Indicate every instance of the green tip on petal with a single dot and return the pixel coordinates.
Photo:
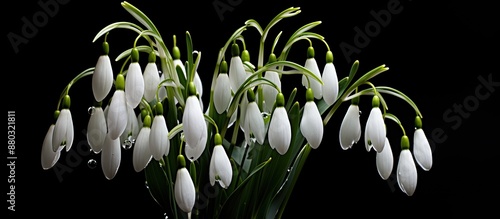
(217, 139)
(245, 56)
(375, 101)
(191, 88)
(405, 142)
(105, 48)
(181, 161)
(250, 95)
(66, 103)
(146, 122)
(134, 55)
(272, 58)
(223, 67)
(152, 57)
(56, 114)
(310, 52)
(120, 82)
(159, 108)
(235, 50)
(329, 57)
(280, 100)
(418, 122)
(309, 95)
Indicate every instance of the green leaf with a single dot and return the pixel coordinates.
(157, 184)
(126, 53)
(140, 16)
(117, 25)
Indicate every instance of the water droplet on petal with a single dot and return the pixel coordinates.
(91, 110)
(146, 184)
(360, 112)
(92, 163)
(128, 143)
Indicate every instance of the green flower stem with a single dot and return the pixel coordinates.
(65, 91)
(393, 117)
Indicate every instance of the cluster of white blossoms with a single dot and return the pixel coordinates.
(157, 108)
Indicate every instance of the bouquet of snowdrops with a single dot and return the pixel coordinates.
(248, 144)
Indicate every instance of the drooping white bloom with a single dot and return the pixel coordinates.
(280, 131)
(315, 85)
(142, 154)
(194, 125)
(237, 73)
(110, 157)
(406, 172)
(162, 92)
(102, 78)
(117, 114)
(385, 161)
(49, 157)
(222, 93)
(134, 84)
(375, 129)
(311, 123)
(220, 167)
(96, 129)
(132, 129)
(350, 128)
(159, 144)
(254, 123)
(151, 79)
(63, 131)
(330, 83)
(422, 149)
(185, 193)
(271, 92)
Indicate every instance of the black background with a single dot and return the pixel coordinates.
(436, 52)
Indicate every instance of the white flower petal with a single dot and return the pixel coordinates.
(316, 86)
(311, 124)
(110, 157)
(159, 144)
(63, 131)
(407, 173)
(198, 84)
(368, 143)
(141, 154)
(162, 93)
(385, 161)
(280, 131)
(422, 150)
(330, 83)
(185, 194)
(102, 78)
(220, 167)
(270, 92)
(350, 128)
(237, 74)
(132, 129)
(255, 122)
(193, 153)
(222, 93)
(151, 79)
(194, 125)
(134, 84)
(117, 113)
(375, 129)
(97, 129)
(49, 157)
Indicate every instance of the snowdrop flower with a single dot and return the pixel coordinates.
(222, 90)
(194, 125)
(49, 157)
(311, 124)
(375, 126)
(134, 83)
(237, 73)
(159, 144)
(312, 65)
(220, 166)
(330, 80)
(350, 128)
(185, 193)
(254, 123)
(102, 78)
(280, 130)
(63, 131)
(110, 156)
(151, 78)
(406, 170)
(421, 147)
(268, 91)
(132, 129)
(141, 154)
(96, 128)
(117, 110)
(385, 161)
